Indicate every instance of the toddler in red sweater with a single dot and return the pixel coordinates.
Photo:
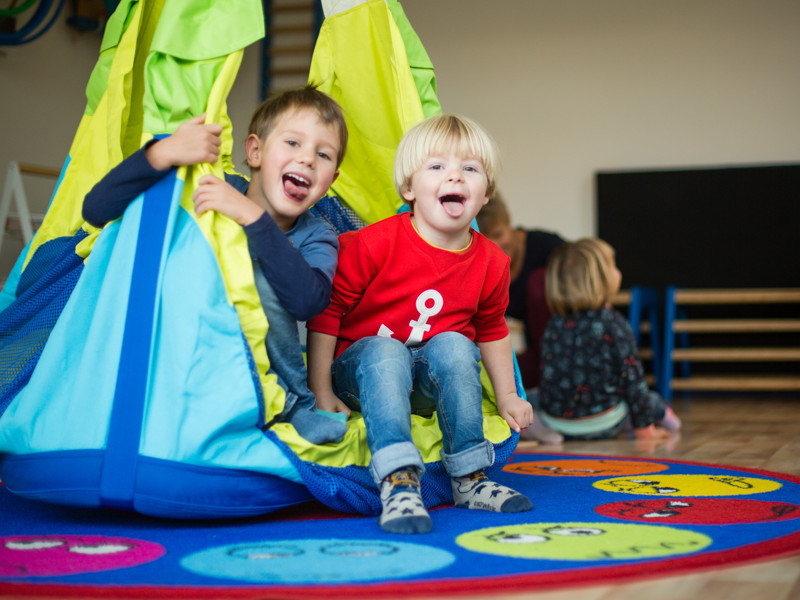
(418, 301)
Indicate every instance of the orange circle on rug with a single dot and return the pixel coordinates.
(689, 485)
(591, 467)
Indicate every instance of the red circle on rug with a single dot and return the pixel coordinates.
(700, 511)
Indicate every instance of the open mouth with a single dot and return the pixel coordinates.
(453, 204)
(296, 186)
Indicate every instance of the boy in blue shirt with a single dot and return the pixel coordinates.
(295, 144)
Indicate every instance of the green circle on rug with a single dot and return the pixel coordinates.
(583, 541)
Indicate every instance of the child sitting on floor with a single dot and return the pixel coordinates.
(295, 144)
(418, 300)
(592, 380)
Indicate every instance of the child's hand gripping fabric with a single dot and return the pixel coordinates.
(214, 194)
(192, 143)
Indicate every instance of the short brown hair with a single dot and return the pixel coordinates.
(579, 276)
(494, 213)
(329, 111)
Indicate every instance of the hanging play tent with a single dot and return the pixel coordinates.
(132, 358)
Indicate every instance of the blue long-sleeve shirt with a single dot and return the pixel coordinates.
(298, 264)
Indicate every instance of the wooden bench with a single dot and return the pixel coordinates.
(678, 324)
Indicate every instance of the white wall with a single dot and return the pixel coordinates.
(42, 87)
(567, 87)
(570, 87)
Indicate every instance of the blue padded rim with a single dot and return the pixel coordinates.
(164, 488)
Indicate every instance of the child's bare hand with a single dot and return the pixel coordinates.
(214, 194)
(650, 433)
(193, 142)
(517, 412)
(331, 403)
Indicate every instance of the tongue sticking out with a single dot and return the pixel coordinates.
(453, 205)
(294, 187)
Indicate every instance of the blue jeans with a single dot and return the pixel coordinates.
(284, 349)
(386, 381)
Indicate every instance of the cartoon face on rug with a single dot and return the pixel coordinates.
(688, 485)
(578, 532)
(50, 555)
(700, 511)
(593, 467)
(583, 541)
(317, 561)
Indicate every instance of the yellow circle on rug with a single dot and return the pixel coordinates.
(583, 541)
(689, 485)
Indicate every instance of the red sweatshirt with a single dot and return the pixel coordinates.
(391, 282)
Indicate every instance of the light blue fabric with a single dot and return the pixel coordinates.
(387, 380)
(213, 415)
(76, 372)
(202, 406)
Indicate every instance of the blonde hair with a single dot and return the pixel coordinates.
(327, 109)
(579, 276)
(441, 134)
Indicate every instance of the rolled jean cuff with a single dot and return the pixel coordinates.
(396, 456)
(290, 401)
(470, 460)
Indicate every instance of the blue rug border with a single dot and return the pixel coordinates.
(770, 547)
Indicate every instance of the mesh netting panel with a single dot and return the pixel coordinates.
(251, 363)
(341, 218)
(351, 489)
(43, 290)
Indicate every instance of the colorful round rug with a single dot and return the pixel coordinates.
(595, 520)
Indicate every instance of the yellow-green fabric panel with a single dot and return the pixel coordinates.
(176, 90)
(418, 60)
(187, 53)
(226, 237)
(427, 436)
(115, 26)
(372, 81)
(184, 45)
(204, 29)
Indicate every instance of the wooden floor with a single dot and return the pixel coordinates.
(753, 431)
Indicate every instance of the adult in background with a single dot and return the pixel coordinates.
(529, 251)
